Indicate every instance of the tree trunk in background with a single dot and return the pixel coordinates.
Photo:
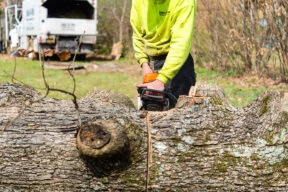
(208, 146)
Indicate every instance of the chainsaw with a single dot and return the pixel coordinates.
(154, 100)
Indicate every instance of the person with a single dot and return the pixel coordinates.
(162, 40)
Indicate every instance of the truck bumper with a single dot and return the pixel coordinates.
(69, 44)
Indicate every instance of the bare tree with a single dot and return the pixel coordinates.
(243, 35)
(278, 20)
(120, 19)
(114, 23)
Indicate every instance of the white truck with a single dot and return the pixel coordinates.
(55, 24)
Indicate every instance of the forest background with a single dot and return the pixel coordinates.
(246, 36)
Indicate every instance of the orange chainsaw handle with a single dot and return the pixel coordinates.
(150, 77)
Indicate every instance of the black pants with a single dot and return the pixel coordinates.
(182, 82)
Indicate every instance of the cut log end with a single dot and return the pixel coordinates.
(95, 136)
(102, 138)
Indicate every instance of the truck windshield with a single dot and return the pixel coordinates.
(76, 9)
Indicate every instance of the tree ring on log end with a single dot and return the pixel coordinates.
(102, 138)
(95, 136)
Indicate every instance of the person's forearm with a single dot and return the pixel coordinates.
(146, 69)
(138, 43)
(180, 44)
(138, 46)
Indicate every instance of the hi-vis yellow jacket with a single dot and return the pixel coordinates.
(163, 27)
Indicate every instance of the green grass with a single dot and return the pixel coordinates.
(29, 72)
(239, 96)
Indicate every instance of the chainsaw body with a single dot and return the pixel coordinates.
(154, 100)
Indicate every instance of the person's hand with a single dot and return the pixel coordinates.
(156, 85)
(146, 69)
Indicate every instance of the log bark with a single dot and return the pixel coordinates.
(205, 144)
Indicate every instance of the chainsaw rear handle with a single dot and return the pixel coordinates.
(142, 91)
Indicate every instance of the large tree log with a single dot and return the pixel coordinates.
(205, 145)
